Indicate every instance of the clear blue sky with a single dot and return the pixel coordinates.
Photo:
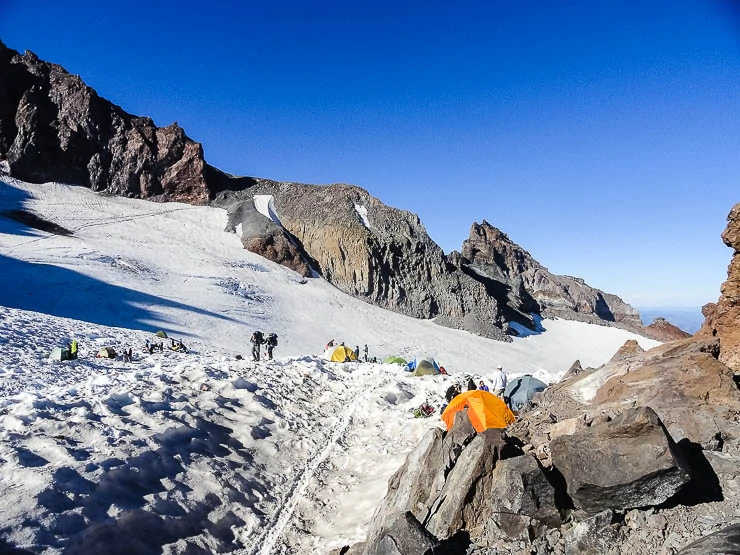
(602, 136)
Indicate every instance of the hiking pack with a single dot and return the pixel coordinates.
(272, 339)
(257, 338)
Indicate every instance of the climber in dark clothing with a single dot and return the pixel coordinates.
(452, 392)
(271, 343)
(256, 340)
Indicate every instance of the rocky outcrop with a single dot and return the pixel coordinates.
(377, 253)
(526, 286)
(723, 318)
(53, 127)
(625, 463)
(662, 330)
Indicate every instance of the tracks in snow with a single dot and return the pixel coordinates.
(265, 543)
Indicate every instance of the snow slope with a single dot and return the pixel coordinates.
(201, 452)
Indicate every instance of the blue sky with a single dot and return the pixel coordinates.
(602, 136)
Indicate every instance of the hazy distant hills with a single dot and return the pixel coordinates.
(687, 318)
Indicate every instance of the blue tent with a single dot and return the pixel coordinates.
(521, 390)
(423, 366)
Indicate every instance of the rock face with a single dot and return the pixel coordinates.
(662, 330)
(53, 127)
(723, 318)
(377, 253)
(628, 462)
(530, 287)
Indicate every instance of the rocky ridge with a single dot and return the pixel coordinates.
(662, 330)
(53, 127)
(530, 287)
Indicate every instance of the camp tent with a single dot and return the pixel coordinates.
(161, 334)
(395, 360)
(424, 366)
(58, 353)
(521, 390)
(485, 410)
(106, 352)
(340, 354)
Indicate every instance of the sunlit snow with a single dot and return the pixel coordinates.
(282, 456)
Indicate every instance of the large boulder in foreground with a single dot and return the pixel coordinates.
(464, 499)
(520, 498)
(416, 485)
(625, 463)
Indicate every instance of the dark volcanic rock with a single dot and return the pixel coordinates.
(527, 286)
(464, 501)
(592, 536)
(379, 254)
(404, 535)
(262, 235)
(625, 463)
(53, 127)
(722, 542)
(662, 330)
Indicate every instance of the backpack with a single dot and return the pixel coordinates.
(257, 337)
(272, 339)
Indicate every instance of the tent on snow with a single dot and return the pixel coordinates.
(485, 410)
(521, 390)
(423, 366)
(106, 352)
(161, 334)
(395, 360)
(59, 353)
(340, 353)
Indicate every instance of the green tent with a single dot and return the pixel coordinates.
(395, 360)
(424, 366)
(161, 334)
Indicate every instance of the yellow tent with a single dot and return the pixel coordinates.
(485, 410)
(340, 354)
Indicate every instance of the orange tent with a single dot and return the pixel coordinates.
(485, 410)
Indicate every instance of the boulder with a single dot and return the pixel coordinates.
(626, 463)
(519, 496)
(693, 393)
(593, 536)
(466, 491)
(403, 535)
(721, 542)
(567, 427)
(416, 485)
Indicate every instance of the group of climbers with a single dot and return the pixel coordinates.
(258, 339)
